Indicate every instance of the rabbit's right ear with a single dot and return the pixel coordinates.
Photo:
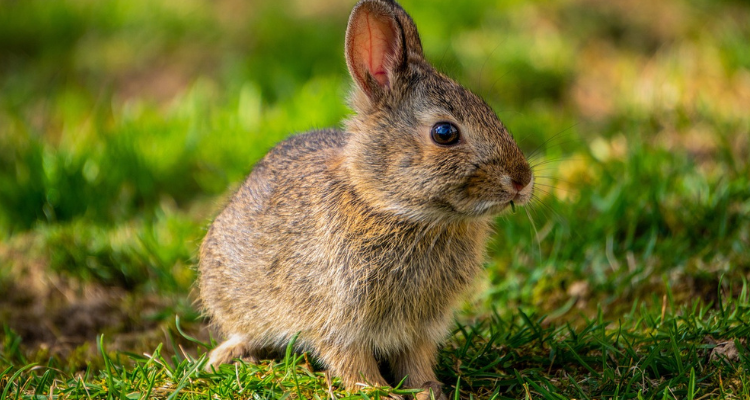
(380, 39)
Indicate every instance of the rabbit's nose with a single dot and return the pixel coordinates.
(518, 185)
(520, 177)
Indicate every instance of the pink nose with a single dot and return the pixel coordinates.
(518, 185)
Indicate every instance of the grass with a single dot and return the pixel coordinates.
(653, 354)
(124, 124)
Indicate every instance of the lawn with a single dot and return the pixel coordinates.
(125, 124)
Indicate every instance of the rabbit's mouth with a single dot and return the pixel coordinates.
(522, 197)
(523, 192)
(507, 199)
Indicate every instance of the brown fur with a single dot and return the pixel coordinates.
(365, 240)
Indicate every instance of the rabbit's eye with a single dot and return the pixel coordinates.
(445, 133)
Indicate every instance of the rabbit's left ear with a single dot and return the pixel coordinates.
(380, 39)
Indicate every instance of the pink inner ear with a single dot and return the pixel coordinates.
(374, 43)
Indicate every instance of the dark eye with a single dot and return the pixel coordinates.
(445, 133)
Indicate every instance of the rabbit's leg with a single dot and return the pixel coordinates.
(417, 364)
(237, 346)
(354, 365)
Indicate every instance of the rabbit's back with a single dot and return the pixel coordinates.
(245, 280)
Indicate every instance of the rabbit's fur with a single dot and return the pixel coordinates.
(365, 240)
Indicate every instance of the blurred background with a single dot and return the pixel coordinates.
(124, 124)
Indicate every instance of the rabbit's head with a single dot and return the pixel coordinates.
(422, 146)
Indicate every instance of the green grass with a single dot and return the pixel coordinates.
(124, 124)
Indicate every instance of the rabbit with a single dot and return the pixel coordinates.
(363, 241)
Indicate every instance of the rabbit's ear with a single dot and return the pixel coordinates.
(380, 39)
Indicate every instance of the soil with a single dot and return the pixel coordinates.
(61, 316)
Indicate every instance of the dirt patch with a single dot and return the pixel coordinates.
(724, 350)
(60, 316)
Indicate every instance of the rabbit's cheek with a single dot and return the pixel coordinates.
(489, 186)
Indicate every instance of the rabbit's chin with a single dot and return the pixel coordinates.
(491, 208)
(449, 213)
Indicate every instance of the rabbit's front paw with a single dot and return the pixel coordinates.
(432, 390)
(234, 347)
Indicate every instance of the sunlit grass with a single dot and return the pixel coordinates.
(124, 124)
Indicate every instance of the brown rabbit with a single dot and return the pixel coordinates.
(365, 240)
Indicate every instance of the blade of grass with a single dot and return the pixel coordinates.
(14, 377)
